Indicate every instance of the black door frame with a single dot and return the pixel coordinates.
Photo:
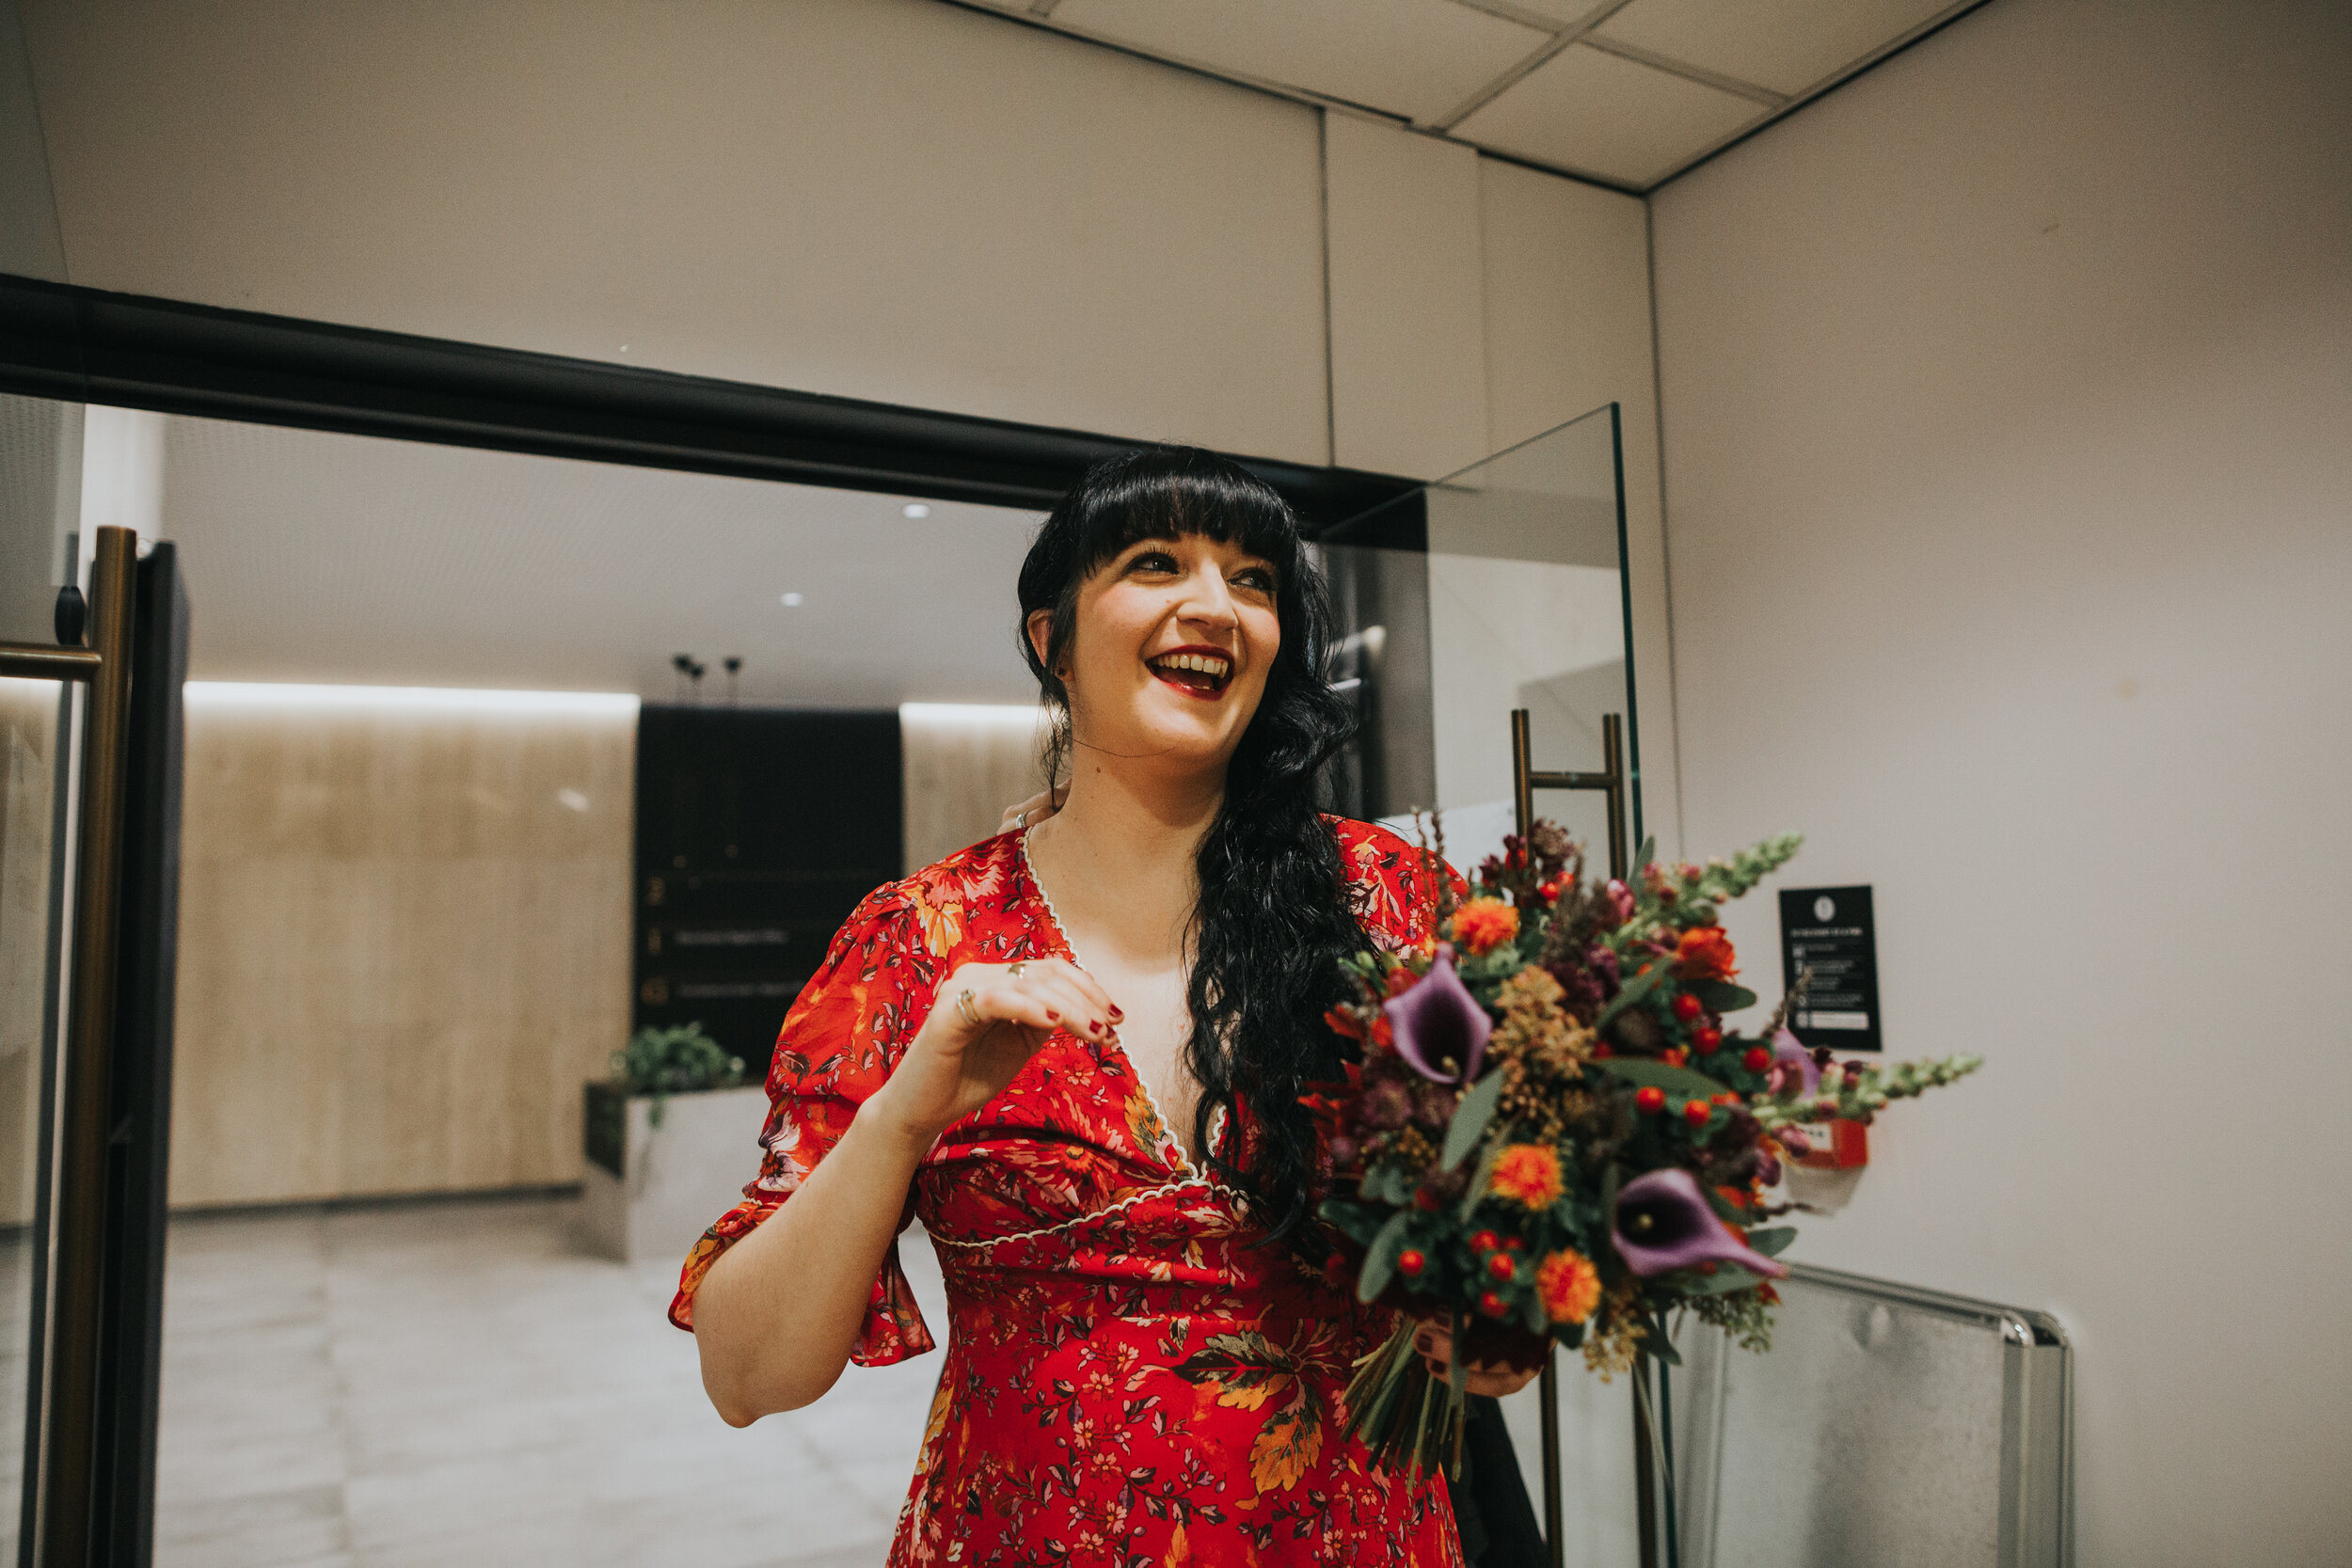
(85, 345)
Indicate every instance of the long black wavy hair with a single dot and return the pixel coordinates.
(1273, 922)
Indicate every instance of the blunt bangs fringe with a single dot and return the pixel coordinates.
(1273, 922)
(1186, 493)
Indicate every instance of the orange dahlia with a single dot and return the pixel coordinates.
(1483, 925)
(1705, 954)
(1528, 1175)
(1568, 1285)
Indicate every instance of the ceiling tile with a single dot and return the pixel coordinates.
(1787, 45)
(1420, 58)
(1601, 115)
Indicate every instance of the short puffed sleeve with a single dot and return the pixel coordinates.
(1391, 885)
(839, 1041)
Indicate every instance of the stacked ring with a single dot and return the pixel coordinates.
(963, 1006)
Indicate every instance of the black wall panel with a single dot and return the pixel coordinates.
(758, 829)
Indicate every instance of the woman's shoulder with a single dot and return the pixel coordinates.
(935, 906)
(1391, 882)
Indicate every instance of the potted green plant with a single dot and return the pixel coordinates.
(667, 1142)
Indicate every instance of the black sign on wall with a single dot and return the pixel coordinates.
(1829, 931)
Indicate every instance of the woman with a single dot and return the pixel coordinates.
(1109, 1156)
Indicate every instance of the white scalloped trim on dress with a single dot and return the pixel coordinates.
(1239, 1202)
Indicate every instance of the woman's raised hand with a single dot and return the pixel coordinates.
(986, 1022)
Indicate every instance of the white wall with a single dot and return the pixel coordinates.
(1567, 329)
(886, 199)
(1408, 366)
(2009, 460)
(1474, 305)
(29, 245)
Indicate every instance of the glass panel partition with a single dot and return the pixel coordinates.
(1497, 588)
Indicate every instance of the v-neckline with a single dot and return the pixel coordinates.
(1171, 1147)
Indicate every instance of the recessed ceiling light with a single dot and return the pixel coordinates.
(791, 601)
(916, 509)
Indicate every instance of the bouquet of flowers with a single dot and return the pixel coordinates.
(1550, 1134)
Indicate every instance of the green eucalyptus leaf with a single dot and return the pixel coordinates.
(1658, 1075)
(1772, 1242)
(1387, 1184)
(1635, 990)
(1470, 1120)
(1475, 1192)
(1647, 853)
(1722, 995)
(1359, 1223)
(1381, 1263)
(1657, 1345)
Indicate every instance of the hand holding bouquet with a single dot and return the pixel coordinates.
(1550, 1134)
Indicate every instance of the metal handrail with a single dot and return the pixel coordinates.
(41, 662)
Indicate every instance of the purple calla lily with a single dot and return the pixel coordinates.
(1792, 1065)
(1439, 1026)
(1664, 1224)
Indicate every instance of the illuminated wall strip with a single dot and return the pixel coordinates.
(410, 699)
(1021, 715)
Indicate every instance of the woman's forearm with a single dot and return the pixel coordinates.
(778, 1313)
(776, 1316)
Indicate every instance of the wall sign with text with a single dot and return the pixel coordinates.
(1829, 930)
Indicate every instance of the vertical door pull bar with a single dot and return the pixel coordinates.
(69, 1453)
(1526, 779)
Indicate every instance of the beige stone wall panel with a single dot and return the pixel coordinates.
(402, 950)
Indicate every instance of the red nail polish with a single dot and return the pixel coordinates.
(1054, 1016)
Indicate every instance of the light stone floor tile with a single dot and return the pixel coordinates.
(457, 1384)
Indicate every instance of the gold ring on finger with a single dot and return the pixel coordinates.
(1015, 968)
(963, 1006)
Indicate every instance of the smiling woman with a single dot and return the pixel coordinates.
(1110, 1155)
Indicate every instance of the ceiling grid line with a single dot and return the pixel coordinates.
(1561, 40)
(1700, 74)
(1627, 94)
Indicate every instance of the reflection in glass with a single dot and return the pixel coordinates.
(1497, 588)
(29, 731)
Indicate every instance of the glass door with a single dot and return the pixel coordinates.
(92, 647)
(1496, 590)
(39, 496)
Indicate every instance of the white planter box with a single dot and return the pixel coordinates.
(674, 1179)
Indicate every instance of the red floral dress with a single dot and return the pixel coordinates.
(1129, 1382)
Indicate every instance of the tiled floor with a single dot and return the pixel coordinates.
(455, 1384)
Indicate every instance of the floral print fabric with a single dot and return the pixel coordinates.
(1129, 1380)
